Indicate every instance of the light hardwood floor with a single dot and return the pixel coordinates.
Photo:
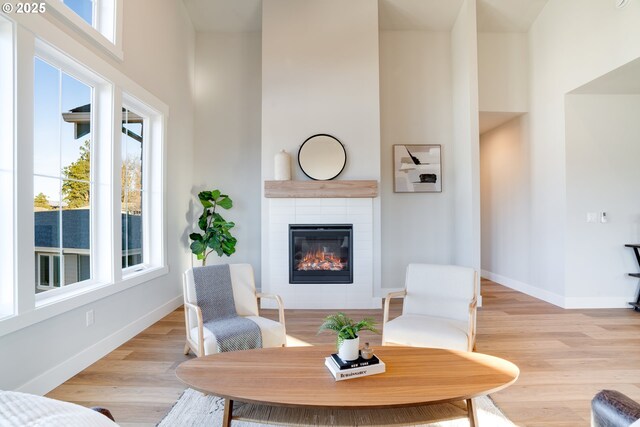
(565, 357)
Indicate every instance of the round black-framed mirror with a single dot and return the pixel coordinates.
(322, 157)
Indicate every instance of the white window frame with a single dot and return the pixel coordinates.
(7, 183)
(153, 246)
(100, 160)
(106, 31)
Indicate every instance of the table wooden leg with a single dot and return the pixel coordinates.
(471, 412)
(228, 413)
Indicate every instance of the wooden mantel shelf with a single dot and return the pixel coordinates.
(321, 189)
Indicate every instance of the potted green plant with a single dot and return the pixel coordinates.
(348, 341)
(215, 236)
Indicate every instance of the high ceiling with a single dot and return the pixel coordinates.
(225, 15)
(504, 16)
(429, 15)
(621, 81)
(491, 120)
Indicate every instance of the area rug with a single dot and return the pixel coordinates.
(196, 409)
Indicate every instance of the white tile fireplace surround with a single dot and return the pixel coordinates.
(286, 211)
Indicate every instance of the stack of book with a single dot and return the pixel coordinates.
(360, 367)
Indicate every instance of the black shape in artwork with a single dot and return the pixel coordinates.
(416, 161)
(429, 178)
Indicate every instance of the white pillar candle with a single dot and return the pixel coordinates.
(282, 167)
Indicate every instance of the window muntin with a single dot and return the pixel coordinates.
(62, 175)
(131, 148)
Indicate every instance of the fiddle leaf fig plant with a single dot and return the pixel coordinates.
(215, 236)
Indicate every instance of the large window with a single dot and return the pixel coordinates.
(6, 170)
(132, 187)
(62, 177)
(81, 171)
(97, 19)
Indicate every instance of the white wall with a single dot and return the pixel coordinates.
(505, 202)
(603, 134)
(39, 357)
(227, 133)
(466, 151)
(571, 43)
(415, 108)
(320, 75)
(503, 72)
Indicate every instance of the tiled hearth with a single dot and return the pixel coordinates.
(281, 212)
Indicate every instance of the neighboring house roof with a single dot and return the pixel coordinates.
(75, 226)
(81, 119)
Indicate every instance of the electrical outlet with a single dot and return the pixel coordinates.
(90, 318)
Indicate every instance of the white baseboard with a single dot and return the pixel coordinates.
(555, 299)
(597, 302)
(525, 288)
(55, 376)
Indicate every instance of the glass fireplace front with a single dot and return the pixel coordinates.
(321, 253)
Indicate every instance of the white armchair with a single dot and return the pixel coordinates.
(439, 308)
(201, 341)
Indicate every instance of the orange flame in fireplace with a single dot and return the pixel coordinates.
(320, 260)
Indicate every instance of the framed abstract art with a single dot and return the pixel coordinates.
(417, 168)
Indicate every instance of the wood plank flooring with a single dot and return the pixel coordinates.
(565, 357)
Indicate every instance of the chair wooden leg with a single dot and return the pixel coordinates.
(471, 412)
(186, 348)
(228, 413)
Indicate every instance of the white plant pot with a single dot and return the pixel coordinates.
(349, 349)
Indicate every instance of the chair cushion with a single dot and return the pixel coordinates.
(273, 335)
(244, 289)
(22, 409)
(427, 331)
(439, 290)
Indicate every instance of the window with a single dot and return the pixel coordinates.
(6, 170)
(80, 185)
(132, 187)
(100, 20)
(62, 176)
(142, 179)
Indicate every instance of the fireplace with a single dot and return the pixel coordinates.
(321, 253)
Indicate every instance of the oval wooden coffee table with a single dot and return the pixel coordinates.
(297, 377)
